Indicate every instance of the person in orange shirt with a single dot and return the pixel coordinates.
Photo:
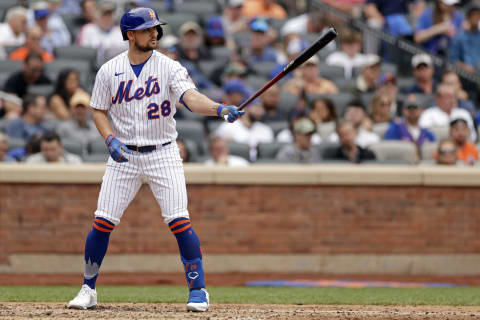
(460, 133)
(264, 8)
(32, 44)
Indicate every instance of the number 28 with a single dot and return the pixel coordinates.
(153, 108)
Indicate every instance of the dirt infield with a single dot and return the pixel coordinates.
(12, 310)
(225, 279)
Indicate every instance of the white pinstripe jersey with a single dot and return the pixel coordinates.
(141, 109)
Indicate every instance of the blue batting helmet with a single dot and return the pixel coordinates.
(140, 19)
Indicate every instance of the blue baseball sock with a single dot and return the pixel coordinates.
(95, 249)
(190, 252)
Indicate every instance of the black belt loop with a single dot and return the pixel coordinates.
(146, 149)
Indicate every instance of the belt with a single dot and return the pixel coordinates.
(145, 149)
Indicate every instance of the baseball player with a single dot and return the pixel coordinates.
(134, 100)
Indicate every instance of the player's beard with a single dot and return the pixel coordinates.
(146, 48)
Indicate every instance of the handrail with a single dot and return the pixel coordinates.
(401, 44)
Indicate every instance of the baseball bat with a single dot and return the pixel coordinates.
(295, 63)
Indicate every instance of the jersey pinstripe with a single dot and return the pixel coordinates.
(141, 113)
(141, 109)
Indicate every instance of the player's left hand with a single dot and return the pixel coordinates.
(229, 113)
(117, 149)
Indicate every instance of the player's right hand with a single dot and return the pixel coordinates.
(116, 148)
(229, 113)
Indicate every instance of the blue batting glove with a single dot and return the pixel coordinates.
(117, 149)
(229, 113)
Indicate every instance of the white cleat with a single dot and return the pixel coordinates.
(198, 301)
(85, 299)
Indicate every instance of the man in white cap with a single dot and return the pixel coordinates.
(445, 110)
(423, 71)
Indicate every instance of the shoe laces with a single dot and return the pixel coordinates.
(85, 290)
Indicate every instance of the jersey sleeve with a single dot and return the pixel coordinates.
(180, 80)
(101, 94)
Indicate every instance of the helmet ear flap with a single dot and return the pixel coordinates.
(160, 32)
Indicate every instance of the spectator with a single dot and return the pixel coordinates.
(447, 153)
(31, 147)
(55, 32)
(367, 80)
(233, 19)
(308, 23)
(259, 50)
(220, 154)
(249, 129)
(322, 110)
(32, 119)
(263, 8)
(287, 136)
(460, 133)
(235, 70)
(309, 80)
(13, 31)
(381, 107)
(349, 149)
(387, 83)
(32, 45)
(392, 15)
(10, 106)
(168, 46)
(450, 78)
(407, 128)
(215, 33)
(350, 55)
(436, 27)
(236, 91)
(4, 157)
(445, 110)
(32, 74)
(356, 114)
(183, 150)
(294, 44)
(423, 73)
(81, 126)
(103, 34)
(270, 100)
(88, 15)
(302, 150)
(465, 48)
(51, 151)
(67, 84)
(191, 46)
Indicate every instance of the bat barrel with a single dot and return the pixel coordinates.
(301, 58)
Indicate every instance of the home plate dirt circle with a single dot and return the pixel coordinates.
(24, 310)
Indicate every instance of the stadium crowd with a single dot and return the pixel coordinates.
(349, 103)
